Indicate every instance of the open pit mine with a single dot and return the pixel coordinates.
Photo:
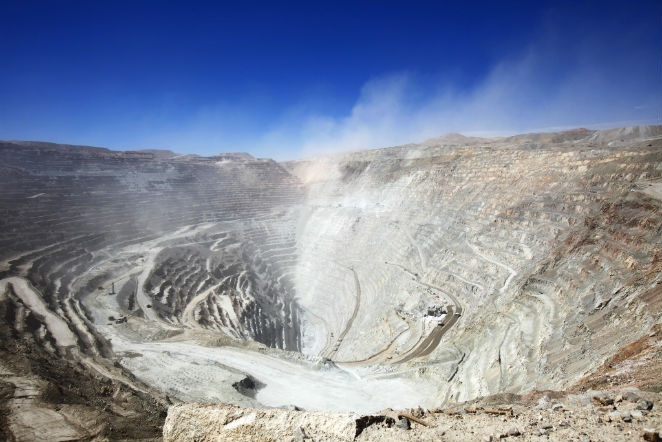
(423, 275)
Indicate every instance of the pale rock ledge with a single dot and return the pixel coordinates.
(225, 422)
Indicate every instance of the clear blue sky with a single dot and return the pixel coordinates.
(283, 79)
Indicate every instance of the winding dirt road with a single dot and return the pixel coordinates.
(425, 346)
(380, 355)
(432, 341)
(342, 335)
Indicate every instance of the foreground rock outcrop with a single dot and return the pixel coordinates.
(539, 416)
(194, 422)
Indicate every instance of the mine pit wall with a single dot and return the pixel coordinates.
(76, 219)
(553, 251)
(243, 294)
(68, 210)
(550, 247)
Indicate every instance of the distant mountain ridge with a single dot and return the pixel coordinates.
(621, 134)
(604, 136)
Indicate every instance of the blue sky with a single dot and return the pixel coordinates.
(283, 80)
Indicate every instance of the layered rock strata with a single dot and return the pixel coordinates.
(414, 275)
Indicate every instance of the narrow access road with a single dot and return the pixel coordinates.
(510, 270)
(380, 355)
(434, 287)
(188, 316)
(426, 345)
(338, 343)
(432, 341)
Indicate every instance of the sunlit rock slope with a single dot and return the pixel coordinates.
(548, 243)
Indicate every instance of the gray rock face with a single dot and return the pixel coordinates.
(403, 423)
